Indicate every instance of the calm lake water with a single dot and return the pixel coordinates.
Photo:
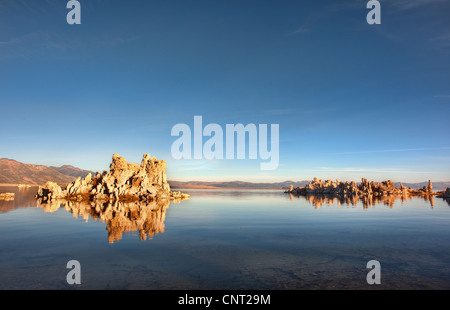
(231, 239)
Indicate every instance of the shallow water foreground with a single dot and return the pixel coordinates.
(232, 239)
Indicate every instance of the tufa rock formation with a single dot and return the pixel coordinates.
(125, 182)
(365, 188)
(427, 189)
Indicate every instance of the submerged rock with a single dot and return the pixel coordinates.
(125, 182)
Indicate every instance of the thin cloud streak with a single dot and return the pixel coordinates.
(412, 4)
(381, 170)
(397, 150)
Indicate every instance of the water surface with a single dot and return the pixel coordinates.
(230, 239)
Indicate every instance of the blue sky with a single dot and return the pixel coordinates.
(352, 100)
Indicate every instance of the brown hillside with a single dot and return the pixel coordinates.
(14, 172)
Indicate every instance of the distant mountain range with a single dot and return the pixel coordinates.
(437, 186)
(14, 172)
(234, 184)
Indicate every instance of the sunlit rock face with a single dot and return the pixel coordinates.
(145, 218)
(365, 188)
(125, 182)
(368, 192)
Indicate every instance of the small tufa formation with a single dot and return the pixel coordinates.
(7, 196)
(338, 188)
(427, 189)
(124, 182)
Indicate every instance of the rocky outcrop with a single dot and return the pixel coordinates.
(125, 182)
(7, 196)
(427, 189)
(338, 188)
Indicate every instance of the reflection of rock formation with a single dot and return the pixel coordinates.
(7, 196)
(145, 217)
(50, 206)
(22, 198)
(338, 188)
(7, 205)
(124, 182)
(430, 198)
(318, 201)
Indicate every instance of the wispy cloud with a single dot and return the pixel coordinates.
(337, 6)
(33, 42)
(367, 170)
(11, 41)
(195, 165)
(300, 30)
(442, 40)
(21, 39)
(442, 96)
(305, 110)
(316, 17)
(116, 41)
(413, 4)
(396, 150)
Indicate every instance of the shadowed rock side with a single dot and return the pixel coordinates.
(365, 188)
(445, 194)
(124, 182)
(147, 218)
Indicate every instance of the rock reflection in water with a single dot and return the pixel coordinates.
(318, 201)
(23, 198)
(145, 217)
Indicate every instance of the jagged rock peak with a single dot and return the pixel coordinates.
(338, 188)
(125, 181)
